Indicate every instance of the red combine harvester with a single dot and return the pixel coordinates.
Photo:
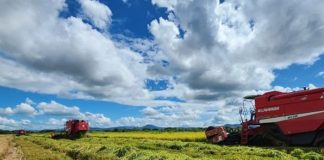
(21, 132)
(73, 129)
(277, 118)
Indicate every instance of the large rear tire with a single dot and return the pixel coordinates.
(321, 144)
(319, 140)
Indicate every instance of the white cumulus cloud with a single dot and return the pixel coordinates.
(54, 108)
(11, 124)
(98, 13)
(234, 46)
(64, 56)
(24, 108)
(320, 74)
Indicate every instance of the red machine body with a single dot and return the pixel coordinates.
(294, 113)
(76, 126)
(294, 118)
(73, 129)
(21, 132)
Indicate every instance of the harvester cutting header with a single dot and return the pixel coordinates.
(278, 118)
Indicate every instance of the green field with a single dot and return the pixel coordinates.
(150, 145)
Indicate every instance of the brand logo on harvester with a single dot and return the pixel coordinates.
(268, 109)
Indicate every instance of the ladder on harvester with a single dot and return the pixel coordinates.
(244, 133)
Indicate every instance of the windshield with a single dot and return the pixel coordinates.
(247, 110)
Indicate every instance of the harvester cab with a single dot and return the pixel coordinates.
(248, 119)
(247, 110)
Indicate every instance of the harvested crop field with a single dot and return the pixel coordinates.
(151, 146)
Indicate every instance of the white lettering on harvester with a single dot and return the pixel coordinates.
(268, 109)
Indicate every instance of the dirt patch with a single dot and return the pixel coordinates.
(8, 148)
(4, 145)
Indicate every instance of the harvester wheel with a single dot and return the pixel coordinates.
(319, 140)
(58, 136)
(77, 135)
(321, 144)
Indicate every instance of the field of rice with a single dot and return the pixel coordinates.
(151, 145)
(158, 135)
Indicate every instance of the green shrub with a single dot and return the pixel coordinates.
(175, 146)
(297, 152)
(121, 152)
(312, 156)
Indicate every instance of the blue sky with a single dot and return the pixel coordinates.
(138, 62)
(298, 75)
